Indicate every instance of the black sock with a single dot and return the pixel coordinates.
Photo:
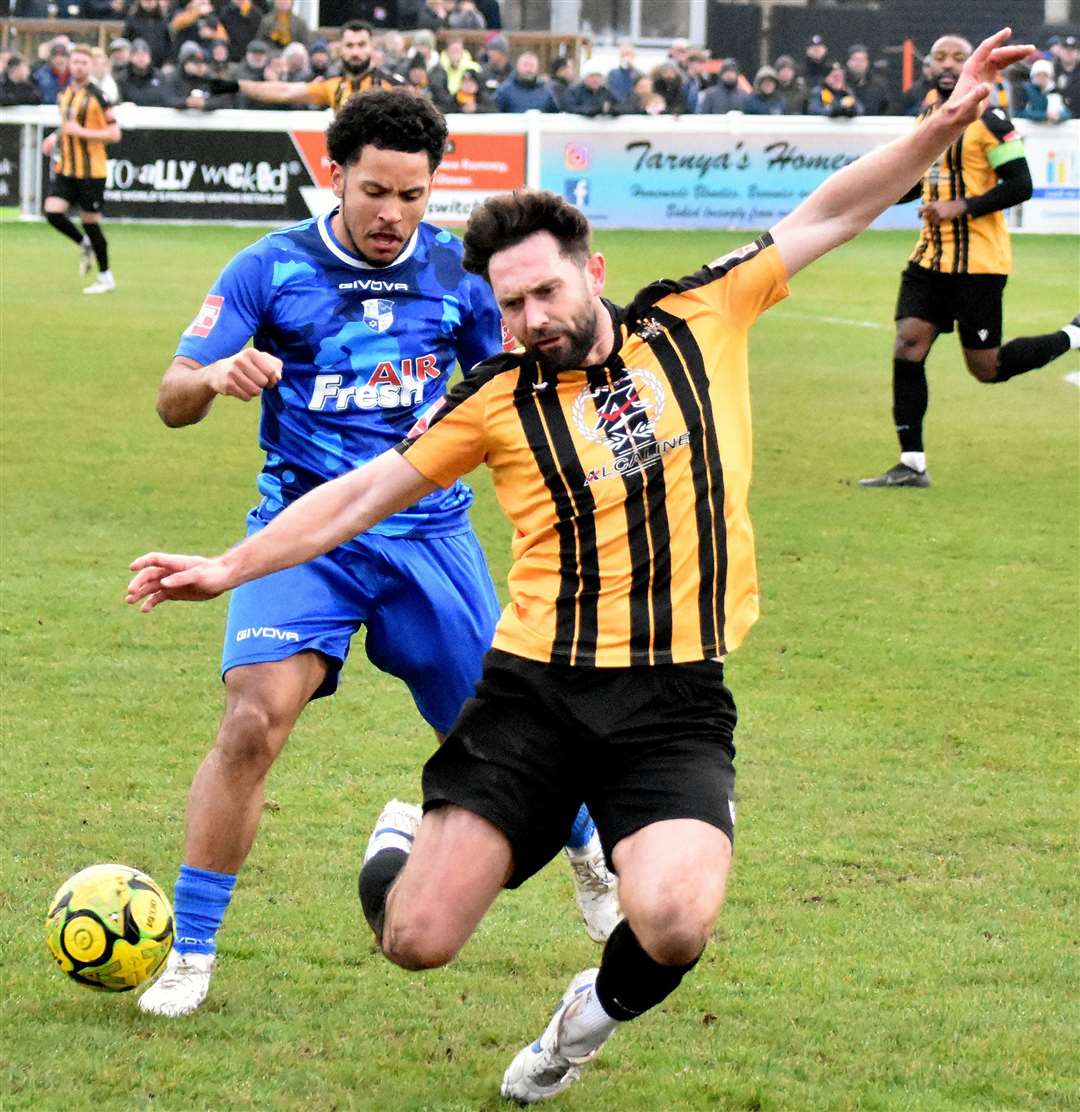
(97, 240)
(910, 398)
(375, 880)
(1029, 353)
(64, 226)
(629, 981)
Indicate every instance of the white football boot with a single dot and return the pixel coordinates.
(181, 988)
(596, 889)
(104, 283)
(544, 1068)
(395, 828)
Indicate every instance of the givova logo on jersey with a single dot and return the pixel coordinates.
(627, 413)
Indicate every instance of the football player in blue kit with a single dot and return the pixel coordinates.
(356, 320)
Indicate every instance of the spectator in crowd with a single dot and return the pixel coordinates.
(1067, 72)
(622, 79)
(790, 85)
(643, 100)
(491, 12)
(119, 58)
(465, 16)
(816, 62)
(766, 99)
(725, 95)
(101, 75)
(424, 46)
(471, 97)
(832, 97)
(184, 25)
(679, 55)
(526, 88)
(915, 97)
(283, 26)
(253, 67)
(432, 15)
(867, 88)
(296, 63)
(560, 78)
(142, 83)
(698, 76)
(455, 61)
(429, 81)
(395, 57)
(209, 30)
(188, 86)
(1042, 102)
(241, 19)
(496, 63)
(590, 96)
(669, 82)
(52, 76)
(218, 63)
(320, 58)
(16, 87)
(146, 20)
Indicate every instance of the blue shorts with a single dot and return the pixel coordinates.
(428, 604)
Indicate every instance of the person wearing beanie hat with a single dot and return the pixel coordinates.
(868, 90)
(142, 82)
(816, 62)
(725, 95)
(832, 97)
(955, 277)
(1042, 102)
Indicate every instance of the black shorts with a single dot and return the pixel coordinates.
(638, 745)
(972, 300)
(88, 194)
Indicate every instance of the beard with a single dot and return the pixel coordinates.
(579, 334)
(946, 92)
(355, 69)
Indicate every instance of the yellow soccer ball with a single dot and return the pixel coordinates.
(109, 927)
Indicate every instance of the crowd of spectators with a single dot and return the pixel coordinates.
(170, 49)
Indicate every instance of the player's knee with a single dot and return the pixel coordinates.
(249, 736)
(416, 941)
(672, 933)
(910, 347)
(983, 365)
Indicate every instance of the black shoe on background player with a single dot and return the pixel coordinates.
(899, 476)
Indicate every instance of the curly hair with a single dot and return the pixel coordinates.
(507, 219)
(392, 120)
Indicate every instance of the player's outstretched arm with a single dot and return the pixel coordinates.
(847, 202)
(324, 518)
(188, 388)
(266, 92)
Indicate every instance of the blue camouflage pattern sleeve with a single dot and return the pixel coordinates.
(231, 312)
(482, 330)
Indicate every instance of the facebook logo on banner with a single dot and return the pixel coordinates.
(576, 190)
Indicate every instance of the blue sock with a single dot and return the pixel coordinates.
(581, 831)
(199, 904)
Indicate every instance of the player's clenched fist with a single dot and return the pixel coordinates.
(244, 375)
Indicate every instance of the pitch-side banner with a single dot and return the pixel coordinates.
(1053, 156)
(10, 158)
(280, 176)
(689, 179)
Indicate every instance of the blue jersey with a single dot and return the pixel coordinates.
(366, 352)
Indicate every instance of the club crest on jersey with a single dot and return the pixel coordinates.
(206, 317)
(378, 313)
(626, 415)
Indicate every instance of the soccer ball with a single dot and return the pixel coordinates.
(109, 927)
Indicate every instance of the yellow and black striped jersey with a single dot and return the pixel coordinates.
(89, 107)
(969, 244)
(333, 92)
(626, 483)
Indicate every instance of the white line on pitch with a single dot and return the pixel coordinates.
(1073, 377)
(835, 320)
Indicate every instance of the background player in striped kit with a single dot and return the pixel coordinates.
(959, 267)
(77, 153)
(357, 319)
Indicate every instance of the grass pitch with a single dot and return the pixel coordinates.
(901, 931)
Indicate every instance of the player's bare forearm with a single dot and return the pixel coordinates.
(184, 397)
(848, 202)
(275, 92)
(320, 521)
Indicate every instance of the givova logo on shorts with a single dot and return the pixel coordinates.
(267, 632)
